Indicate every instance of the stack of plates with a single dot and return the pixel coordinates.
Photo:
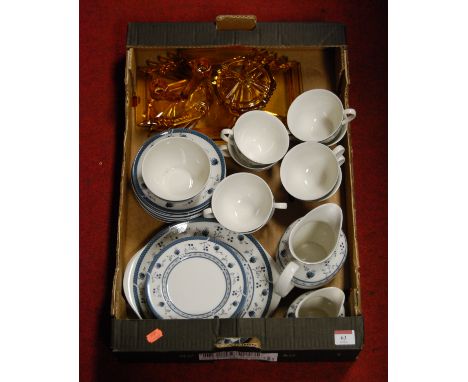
(200, 269)
(181, 210)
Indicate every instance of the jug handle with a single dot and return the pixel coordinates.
(284, 283)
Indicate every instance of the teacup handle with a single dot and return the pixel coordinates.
(225, 134)
(340, 160)
(339, 151)
(348, 116)
(224, 150)
(284, 283)
(208, 213)
(281, 206)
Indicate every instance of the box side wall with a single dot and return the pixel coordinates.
(129, 83)
(354, 295)
(272, 334)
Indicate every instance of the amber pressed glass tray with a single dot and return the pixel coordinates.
(287, 86)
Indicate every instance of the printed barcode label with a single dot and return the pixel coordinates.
(270, 357)
(345, 337)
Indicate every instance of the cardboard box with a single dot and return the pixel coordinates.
(321, 52)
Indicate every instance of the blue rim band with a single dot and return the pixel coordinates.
(175, 242)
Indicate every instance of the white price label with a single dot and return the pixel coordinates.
(345, 337)
(270, 357)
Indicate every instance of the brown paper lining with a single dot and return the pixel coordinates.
(320, 68)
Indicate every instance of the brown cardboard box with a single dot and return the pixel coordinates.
(321, 53)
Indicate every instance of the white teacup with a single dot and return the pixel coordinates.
(325, 302)
(312, 241)
(231, 151)
(310, 170)
(259, 136)
(316, 115)
(242, 202)
(175, 169)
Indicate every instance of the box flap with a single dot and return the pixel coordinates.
(192, 34)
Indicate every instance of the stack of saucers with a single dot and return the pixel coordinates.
(175, 173)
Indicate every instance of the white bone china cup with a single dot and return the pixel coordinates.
(312, 241)
(242, 202)
(259, 136)
(310, 170)
(325, 302)
(175, 169)
(316, 115)
(230, 151)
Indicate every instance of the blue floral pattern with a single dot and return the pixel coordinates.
(259, 274)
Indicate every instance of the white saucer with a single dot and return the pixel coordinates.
(196, 277)
(242, 160)
(339, 136)
(312, 276)
(336, 187)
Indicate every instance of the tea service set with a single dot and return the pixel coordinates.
(206, 263)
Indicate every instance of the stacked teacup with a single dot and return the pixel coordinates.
(257, 141)
(243, 203)
(311, 170)
(318, 115)
(175, 173)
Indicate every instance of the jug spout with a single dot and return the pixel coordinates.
(337, 298)
(329, 213)
(315, 237)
